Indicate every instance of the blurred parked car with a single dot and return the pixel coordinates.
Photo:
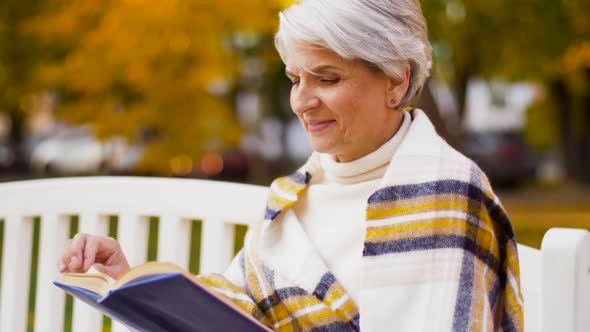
(504, 156)
(76, 151)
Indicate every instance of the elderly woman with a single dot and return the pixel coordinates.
(386, 227)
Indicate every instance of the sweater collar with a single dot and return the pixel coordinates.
(363, 169)
(420, 140)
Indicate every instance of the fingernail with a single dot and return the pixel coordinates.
(61, 266)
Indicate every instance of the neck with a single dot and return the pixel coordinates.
(381, 137)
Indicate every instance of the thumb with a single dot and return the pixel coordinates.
(108, 270)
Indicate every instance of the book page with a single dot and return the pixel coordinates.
(146, 269)
(98, 283)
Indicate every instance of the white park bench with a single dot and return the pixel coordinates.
(555, 279)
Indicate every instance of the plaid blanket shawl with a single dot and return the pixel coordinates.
(439, 253)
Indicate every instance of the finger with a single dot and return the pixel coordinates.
(76, 250)
(65, 258)
(77, 245)
(106, 269)
(101, 268)
(61, 266)
(90, 250)
(113, 271)
(74, 264)
(109, 251)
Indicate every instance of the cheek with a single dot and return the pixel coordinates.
(292, 102)
(359, 115)
(349, 108)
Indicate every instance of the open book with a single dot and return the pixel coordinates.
(159, 297)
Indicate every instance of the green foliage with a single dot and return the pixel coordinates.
(541, 129)
(545, 41)
(518, 40)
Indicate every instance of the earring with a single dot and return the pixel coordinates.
(392, 101)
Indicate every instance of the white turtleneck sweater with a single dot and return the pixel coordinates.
(332, 209)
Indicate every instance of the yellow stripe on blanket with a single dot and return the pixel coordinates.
(422, 204)
(435, 226)
(309, 312)
(289, 185)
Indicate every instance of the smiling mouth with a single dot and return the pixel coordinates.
(317, 126)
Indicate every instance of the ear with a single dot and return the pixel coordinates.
(397, 89)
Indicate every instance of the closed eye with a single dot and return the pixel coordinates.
(330, 81)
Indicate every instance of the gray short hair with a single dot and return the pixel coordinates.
(386, 34)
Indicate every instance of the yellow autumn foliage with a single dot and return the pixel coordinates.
(130, 65)
(574, 64)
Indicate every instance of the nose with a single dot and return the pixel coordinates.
(303, 98)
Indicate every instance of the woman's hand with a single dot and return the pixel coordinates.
(86, 250)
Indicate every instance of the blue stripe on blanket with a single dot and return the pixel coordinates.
(498, 214)
(356, 322)
(429, 243)
(464, 296)
(494, 293)
(242, 262)
(278, 295)
(508, 324)
(465, 290)
(325, 283)
(271, 214)
(335, 327)
(300, 178)
(408, 191)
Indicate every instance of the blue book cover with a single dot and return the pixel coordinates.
(168, 302)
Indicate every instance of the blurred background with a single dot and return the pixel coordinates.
(195, 89)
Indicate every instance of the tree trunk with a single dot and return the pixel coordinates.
(17, 137)
(461, 81)
(561, 94)
(584, 147)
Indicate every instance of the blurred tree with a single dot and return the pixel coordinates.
(541, 131)
(166, 70)
(18, 57)
(563, 54)
(457, 35)
(541, 40)
(493, 38)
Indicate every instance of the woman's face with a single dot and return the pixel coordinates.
(343, 105)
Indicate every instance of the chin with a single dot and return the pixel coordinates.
(324, 144)
(322, 148)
